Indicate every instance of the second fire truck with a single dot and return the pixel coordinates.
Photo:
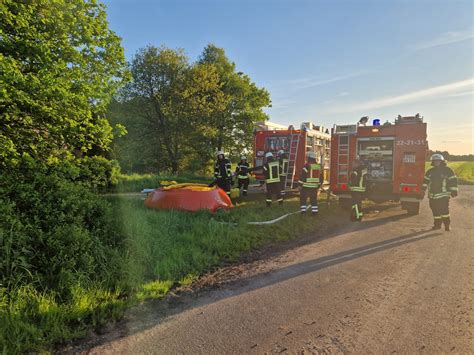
(394, 154)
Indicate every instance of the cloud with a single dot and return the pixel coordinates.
(401, 99)
(305, 83)
(465, 93)
(444, 39)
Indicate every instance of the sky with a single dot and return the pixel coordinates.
(330, 62)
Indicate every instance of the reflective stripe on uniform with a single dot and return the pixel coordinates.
(439, 195)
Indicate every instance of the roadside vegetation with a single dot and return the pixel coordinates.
(158, 250)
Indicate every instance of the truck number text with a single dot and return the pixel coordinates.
(411, 142)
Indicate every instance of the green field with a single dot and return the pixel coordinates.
(464, 170)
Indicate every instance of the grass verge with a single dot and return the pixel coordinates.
(163, 249)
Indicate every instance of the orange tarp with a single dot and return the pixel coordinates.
(188, 197)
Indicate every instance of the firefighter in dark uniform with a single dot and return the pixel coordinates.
(441, 183)
(357, 184)
(272, 171)
(243, 174)
(310, 181)
(223, 173)
(283, 161)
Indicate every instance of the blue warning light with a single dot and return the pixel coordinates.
(376, 122)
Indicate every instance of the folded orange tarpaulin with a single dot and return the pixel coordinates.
(188, 197)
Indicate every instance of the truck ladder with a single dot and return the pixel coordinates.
(294, 146)
(343, 160)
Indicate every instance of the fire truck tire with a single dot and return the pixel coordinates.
(413, 208)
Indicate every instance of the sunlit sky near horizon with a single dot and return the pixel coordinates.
(330, 61)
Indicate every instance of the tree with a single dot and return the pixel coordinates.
(167, 105)
(181, 112)
(59, 66)
(243, 103)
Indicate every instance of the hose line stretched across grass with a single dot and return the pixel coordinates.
(274, 220)
(263, 222)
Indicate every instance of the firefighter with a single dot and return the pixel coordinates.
(243, 174)
(357, 183)
(441, 183)
(222, 172)
(310, 181)
(272, 171)
(283, 161)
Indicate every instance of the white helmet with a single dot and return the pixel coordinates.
(281, 152)
(243, 157)
(220, 152)
(268, 155)
(311, 155)
(437, 157)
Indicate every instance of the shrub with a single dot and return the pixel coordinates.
(55, 233)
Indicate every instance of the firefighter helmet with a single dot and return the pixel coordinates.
(281, 152)
(243, 157)
(311, 155)
(220, 152)
(437, 157)
(268, 155)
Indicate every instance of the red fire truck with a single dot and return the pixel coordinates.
(394, 154)
(271, 137)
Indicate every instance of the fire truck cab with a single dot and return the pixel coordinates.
(271, 137)
(394, 154)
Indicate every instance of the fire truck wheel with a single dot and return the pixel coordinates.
(413, 208)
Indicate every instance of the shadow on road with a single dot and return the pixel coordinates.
(155, 312)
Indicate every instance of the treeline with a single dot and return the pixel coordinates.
(450, 157)
(177, 114)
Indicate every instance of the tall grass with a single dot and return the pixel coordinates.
(171, 246)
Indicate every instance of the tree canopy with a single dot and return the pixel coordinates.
(179, 113)
(59, 66)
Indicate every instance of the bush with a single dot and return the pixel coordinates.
(54, 233)
(98, 172)
(61, 267)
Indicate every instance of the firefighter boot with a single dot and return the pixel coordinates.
(353, 213)
(269, 203)
(280, 201)
(447, 222)
(437, 224)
